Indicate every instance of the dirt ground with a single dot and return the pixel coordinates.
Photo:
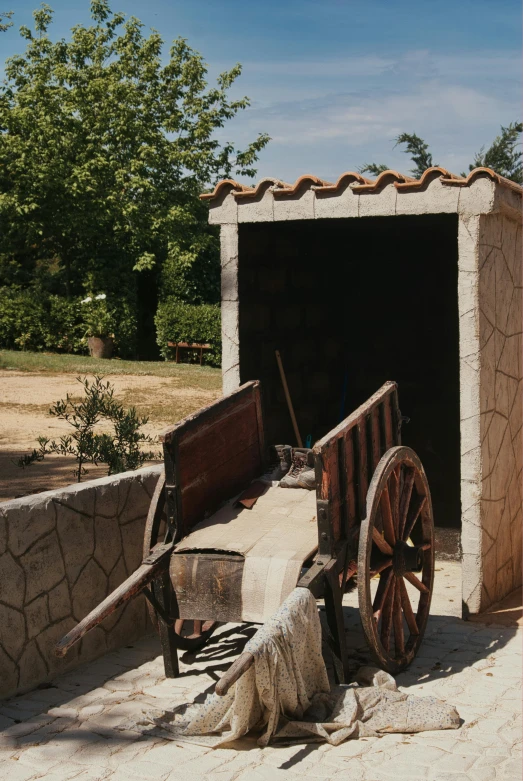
(25, 398)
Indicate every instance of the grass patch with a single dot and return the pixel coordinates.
(188, 375)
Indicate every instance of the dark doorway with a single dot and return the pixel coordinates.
(350, 304)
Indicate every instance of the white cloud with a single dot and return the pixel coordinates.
(457, 103)
(324, 68)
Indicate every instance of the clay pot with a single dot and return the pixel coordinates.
(100, 346)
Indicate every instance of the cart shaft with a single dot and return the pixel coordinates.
(130, 588)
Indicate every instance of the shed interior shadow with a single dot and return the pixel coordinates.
(351, 303)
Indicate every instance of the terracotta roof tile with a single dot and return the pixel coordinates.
(461, 181)
(268, 182)
(344, 180)
(386, 177)
(358, 183)
(292, 189)
(223, 185)
(427, 176)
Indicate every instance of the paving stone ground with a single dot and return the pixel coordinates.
(69, 730)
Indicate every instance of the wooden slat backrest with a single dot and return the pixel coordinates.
(213, 454)
(346, 457)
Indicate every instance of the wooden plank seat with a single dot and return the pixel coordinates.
(200, 346)
(240, 564)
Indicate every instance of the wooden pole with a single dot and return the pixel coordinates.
(289, 401)
(235, 671)
(123, 593)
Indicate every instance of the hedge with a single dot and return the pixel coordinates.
(37, 321)
(33, 321)
(177, 322)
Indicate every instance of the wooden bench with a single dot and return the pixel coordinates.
(189, 346)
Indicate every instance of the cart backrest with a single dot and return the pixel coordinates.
(213, 454)
(347, 456)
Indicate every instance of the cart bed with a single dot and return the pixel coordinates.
(256, 555)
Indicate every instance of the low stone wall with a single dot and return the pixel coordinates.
(61, 553)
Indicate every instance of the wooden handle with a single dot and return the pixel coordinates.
(289, 401)
(235, 671)
(125, 591)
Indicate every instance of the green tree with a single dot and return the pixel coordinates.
(104, 149)
(4, 25)
(503, 156)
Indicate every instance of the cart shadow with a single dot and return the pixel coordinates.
(229, 643)
(445, 651)
(446, 648)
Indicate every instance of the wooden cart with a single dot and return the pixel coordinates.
(371, 521)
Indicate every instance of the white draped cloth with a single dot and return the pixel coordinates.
(286, 695)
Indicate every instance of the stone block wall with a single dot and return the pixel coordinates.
(61, 553)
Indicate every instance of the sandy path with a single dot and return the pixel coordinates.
(25, 399)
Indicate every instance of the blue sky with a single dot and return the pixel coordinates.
(334, 81)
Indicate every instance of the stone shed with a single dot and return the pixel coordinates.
(419, 281)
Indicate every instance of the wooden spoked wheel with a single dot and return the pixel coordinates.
(396, 559)
(188, 635)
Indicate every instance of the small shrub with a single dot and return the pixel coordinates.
(177, 322)
(120, 450)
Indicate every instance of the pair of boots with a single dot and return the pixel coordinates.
(297, 467)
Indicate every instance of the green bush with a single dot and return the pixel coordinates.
(34, 320)
(30, 320)
(20, 318)
(65, 328)
(177, 322)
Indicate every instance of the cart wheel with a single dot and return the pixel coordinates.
(189, 635)
(396, 541)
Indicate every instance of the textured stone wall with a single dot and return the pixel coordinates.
(501, 403)
(490, 294)
(61, 553)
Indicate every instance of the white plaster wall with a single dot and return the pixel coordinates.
(469, 357)
(230, 311)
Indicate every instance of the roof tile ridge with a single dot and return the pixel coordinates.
(221, 185)
(427, 175)
(353, 176)
(254, 191)
(293, 188)
(376, 184)
(466, 181)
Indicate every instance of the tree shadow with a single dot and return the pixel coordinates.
(51, 473)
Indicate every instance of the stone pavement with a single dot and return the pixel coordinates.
(67, 730)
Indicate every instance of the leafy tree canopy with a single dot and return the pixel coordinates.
(5, 16)
(503, 156)
(104, 149)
